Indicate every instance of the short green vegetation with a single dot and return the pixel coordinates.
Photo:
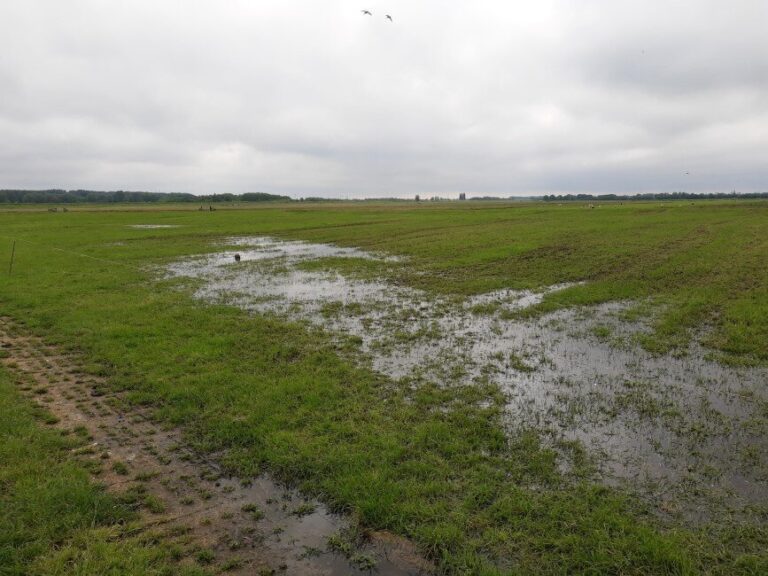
(53, 519)
(253, 511)
(431, 463)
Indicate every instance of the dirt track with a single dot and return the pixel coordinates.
(251, 527)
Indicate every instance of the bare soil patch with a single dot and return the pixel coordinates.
(252, 526)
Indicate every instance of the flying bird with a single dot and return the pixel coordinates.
(389, 18)
(366, 12)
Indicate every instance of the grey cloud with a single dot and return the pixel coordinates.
(306, 98)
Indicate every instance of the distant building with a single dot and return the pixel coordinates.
(462, 196)
(417, 198)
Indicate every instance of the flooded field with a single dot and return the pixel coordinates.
(685, 431)
(253, 527)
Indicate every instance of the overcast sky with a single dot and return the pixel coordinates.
(304, 97)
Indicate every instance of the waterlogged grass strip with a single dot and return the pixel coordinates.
(576, 376)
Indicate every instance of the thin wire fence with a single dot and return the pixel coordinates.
(65, 251)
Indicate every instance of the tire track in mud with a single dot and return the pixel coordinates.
(251, 526)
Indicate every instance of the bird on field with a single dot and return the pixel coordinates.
(368, 13)
(237, 257)
(389, 18)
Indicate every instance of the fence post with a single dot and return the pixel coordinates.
(13, 254)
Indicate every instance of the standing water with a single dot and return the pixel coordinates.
(685, 427)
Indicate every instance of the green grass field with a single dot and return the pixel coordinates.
(54, 519)
(474, 500)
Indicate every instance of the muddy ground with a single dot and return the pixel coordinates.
(241, 526)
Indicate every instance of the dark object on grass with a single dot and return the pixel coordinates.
(237, 257)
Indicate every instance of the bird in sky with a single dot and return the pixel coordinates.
(366, 12)
(389, 18)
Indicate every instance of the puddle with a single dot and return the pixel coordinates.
(258, 527)
(687, 432)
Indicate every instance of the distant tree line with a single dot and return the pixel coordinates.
(652, 196)
(56, 196)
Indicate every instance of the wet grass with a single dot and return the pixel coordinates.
(706, 262)
(430, 463)
(53, 518)
(358, 268)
